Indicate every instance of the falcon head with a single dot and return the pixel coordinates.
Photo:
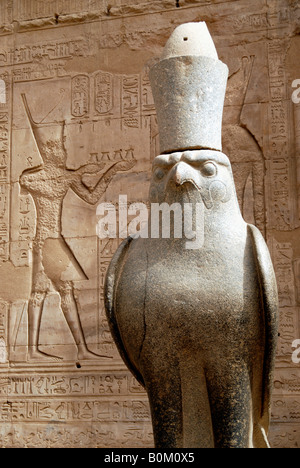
(192, 177)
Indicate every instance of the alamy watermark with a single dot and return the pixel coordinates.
(2, 92)
(164, 221)
(296, 343)
(296, 93)
(296, 353)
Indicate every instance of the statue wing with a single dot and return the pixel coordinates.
(271, 314)
(110, 295)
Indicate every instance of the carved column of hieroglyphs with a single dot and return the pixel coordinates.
(279, 143)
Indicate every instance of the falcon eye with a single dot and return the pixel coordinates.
(209, 169)
(159, 174)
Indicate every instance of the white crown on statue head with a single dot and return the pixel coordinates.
(189, 85)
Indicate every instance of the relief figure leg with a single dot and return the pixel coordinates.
(70, 309)
(35, 310)
(40, 287)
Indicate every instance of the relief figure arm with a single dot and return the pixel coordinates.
(92, 196)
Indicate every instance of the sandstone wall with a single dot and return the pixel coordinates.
(78, 127)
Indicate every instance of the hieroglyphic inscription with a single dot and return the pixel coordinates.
(58, 384)
(285, 409)
(283, 262)
(3, 11)
(3, 332)
(289, 437)
(103, 92)
(80, 95)
(103, 434)
(113, 403)
(4, 174)
(289, 312)
(136, 100)
(131, 101)
(296, 265)
(31, 9)
(127, 98)
(287, 382)
(42, 60)
(250, 22)
(281, 163)
(54, 50)
(6, 14)
(37, 72)
(74, 410)
(280, 176)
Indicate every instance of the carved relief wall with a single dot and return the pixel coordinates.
(78, 127)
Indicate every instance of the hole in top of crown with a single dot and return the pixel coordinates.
(185, 38)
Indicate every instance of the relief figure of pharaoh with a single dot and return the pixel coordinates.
(53, 263)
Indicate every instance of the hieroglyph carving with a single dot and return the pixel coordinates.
(80, 95)
(4, 184)
(103, 92)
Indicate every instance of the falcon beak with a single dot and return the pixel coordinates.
(183, 173)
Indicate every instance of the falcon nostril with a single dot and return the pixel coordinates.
(177, 177)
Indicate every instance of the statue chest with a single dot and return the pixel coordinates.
(206, 296)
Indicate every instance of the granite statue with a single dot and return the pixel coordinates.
(198, 326)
